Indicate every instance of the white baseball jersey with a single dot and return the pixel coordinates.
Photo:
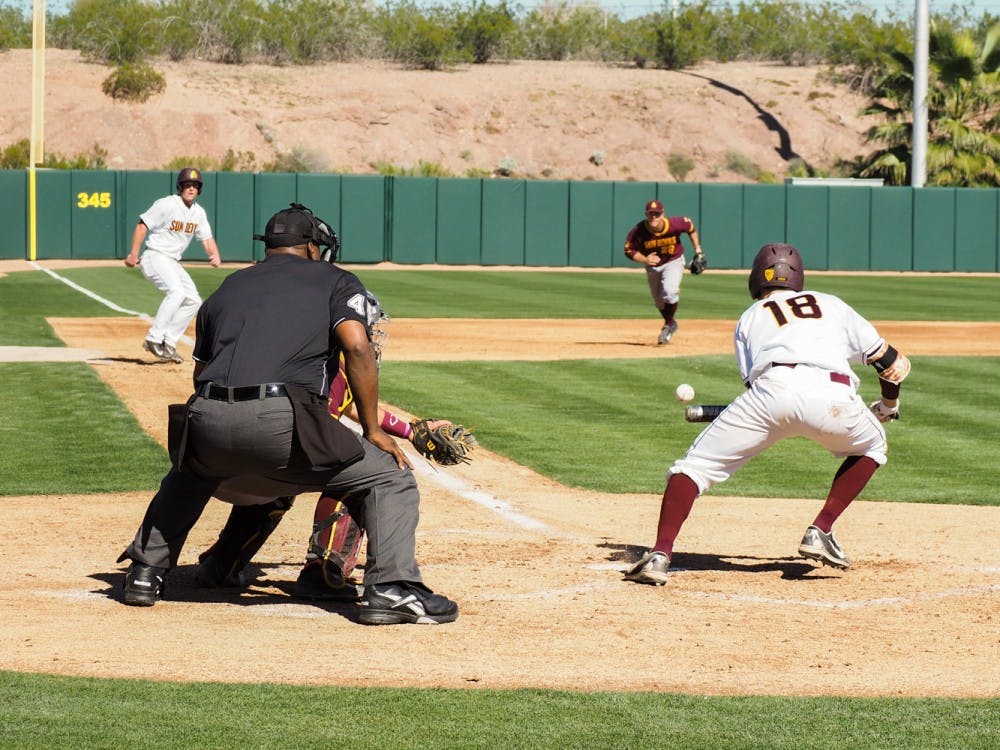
(806, 328)
(794, 351)
(172, 225)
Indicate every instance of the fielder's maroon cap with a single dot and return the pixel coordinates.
(654, 206)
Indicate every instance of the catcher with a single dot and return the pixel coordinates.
(338, 523)
(655, 244)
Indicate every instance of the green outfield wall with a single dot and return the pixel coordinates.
(90, 214)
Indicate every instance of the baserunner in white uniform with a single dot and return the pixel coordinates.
(794, 349)
(168, 227)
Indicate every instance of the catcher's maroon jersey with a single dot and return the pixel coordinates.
(666, 243)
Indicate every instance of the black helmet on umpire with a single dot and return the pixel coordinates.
(777, 266)
(189, 174)
(298, 225)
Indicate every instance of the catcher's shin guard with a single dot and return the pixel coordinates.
(245, 532)
(336, 540)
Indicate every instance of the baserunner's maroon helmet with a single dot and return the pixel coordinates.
(777, 266)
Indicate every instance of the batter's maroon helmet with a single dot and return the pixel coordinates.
(189, 174)
(777, 266)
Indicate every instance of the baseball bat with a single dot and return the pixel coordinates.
(703, 412)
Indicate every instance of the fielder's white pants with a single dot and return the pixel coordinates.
(783, 402)
(181, 301)
(665, 282)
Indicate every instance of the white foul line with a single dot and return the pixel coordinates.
(106, 302)
(463, 489)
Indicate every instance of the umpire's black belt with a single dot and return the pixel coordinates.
(242, 393)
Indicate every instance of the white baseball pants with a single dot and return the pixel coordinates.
(665, 282)
(784, 402)
(181, 302)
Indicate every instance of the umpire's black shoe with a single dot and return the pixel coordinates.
(405, 602)
(143, 585)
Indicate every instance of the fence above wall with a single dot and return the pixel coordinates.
(456, 221)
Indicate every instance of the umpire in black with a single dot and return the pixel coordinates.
(268, 342)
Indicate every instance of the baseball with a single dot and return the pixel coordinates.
(684, 392)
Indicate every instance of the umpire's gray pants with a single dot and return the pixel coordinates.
(251, 445)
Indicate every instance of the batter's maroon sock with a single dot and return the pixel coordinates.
(669, 311)
(851, 478)
(679, 496)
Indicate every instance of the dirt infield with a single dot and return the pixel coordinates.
(536, 568)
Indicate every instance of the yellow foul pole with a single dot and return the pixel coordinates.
(37, 117)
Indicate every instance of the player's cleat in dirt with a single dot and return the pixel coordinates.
(651, 569)
(667, 333)
(398, 603)
(823, 548)
(314, 584)
(171, 353)
(157, 350)
(143, 585)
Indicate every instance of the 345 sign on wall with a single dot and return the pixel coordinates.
(93, 200)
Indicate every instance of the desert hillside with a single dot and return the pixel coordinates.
(562, 120)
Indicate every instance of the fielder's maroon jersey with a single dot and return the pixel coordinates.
(666, 243)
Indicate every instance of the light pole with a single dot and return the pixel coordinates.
(921, 36)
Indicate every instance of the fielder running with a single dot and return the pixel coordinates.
(655, 244)
(794, 349)
(167, 227)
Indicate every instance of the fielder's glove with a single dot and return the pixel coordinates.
(698, 263)
(884, 413)
(448, 444)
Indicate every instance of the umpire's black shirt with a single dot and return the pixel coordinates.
(273, 322)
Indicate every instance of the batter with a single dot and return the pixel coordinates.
(794, 349)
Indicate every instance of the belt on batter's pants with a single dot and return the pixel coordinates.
(243, 392)
(835, 377)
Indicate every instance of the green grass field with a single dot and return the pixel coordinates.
(943, 449)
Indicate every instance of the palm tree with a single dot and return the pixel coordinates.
(963, 113)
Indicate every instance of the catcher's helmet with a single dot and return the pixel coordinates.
(189, 174)
(777, 266)
(378, 319)
(298, 225)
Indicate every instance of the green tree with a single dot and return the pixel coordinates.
(963, 112)
(119, 32)
(420, 39)
(483, 30)
(15, 28)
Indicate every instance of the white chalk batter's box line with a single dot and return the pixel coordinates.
(298, 610)
(740, 598)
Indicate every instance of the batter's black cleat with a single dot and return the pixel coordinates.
(143, 585)
(404, 602)
(314, 583)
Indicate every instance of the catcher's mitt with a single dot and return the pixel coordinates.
(448, 444)
(698, 264)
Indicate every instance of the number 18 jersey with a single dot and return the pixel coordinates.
(803, 328)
